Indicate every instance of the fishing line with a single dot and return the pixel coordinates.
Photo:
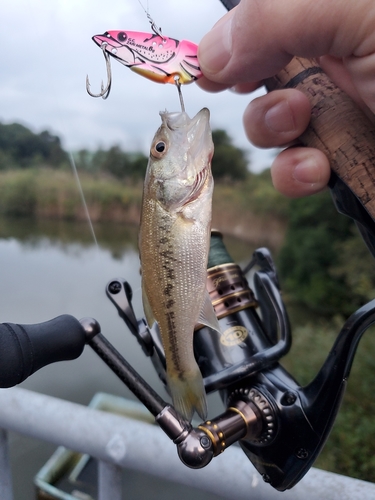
(75, 172)
(156, 29)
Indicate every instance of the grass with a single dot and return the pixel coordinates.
(350, 449)
(54, 194)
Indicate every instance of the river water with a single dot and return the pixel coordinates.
(50, 268)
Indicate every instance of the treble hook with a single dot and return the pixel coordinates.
(104, 92)
(178, 85)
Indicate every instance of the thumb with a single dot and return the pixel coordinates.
(257, 39)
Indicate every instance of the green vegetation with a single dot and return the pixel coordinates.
(325, 270)
(21, 148)
(229, 162)
(350, 449)
(324, 264)
(114, 162)
(54, 194)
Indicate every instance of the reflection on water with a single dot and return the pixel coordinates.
(51, 267)
(31, 232)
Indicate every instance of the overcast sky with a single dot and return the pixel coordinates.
(46, 52)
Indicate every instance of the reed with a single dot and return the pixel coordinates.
(239, 209)
(54, 194)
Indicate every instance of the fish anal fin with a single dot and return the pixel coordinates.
(188, 394)
(147, 308)
(207, 314)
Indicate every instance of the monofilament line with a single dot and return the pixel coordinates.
(73, 164)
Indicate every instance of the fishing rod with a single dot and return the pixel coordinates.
(342, 131)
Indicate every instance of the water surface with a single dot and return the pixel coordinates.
(50, 268)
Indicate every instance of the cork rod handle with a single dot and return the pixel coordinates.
(337, 127)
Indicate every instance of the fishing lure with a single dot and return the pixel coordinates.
(152, 55)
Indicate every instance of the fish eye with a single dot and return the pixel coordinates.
(122, 36)
(158, 149)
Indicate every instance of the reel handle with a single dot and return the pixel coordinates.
(24, 349)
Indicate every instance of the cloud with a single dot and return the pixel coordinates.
(47, 51)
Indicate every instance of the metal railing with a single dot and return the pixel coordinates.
(120, 442)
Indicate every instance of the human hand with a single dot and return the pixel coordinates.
(257, 39)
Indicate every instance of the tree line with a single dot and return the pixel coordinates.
(22, 148)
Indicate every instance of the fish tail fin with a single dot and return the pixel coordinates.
(188, 394)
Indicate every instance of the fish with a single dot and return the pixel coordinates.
(154, 56)
(174, 243)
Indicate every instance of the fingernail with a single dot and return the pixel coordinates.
(307, 171)
(215, 48)
(279, 118)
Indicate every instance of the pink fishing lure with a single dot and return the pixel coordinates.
(155, 56)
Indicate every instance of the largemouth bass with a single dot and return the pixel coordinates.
(174, 244)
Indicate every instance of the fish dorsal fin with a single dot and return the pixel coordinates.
(147, 308)
(207, 315)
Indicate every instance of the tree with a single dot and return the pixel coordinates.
(119, 164)
(229, 162)
(114, 162)
(324, 263)
(23, 148)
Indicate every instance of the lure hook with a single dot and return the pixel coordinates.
(178, 85)
(104, 92)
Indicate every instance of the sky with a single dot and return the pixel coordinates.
(47, 52)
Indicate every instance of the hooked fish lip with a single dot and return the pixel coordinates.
(197, 128)
(179, 119)
(201, 131)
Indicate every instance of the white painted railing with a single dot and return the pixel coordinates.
(121, 442)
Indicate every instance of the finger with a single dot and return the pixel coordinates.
(299, 171)
(242, 88)
(210, 86)
(246, 87)
(257, 39)
(277, 118)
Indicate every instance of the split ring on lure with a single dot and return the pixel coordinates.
(152, 55)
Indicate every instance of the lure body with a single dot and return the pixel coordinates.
(156, 57)
(174, 244)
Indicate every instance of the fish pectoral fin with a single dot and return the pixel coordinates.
(207, 314)
(147, 308)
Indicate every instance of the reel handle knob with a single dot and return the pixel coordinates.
(24, 349)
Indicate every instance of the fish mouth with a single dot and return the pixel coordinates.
(180, 119)
(199, 134)
(198, 129)
(107, 39)
(108, 43)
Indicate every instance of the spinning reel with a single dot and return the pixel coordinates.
(280, 425)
